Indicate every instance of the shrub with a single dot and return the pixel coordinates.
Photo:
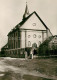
(43, 49)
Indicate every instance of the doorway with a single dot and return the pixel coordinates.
(34, 52)
(34, 47)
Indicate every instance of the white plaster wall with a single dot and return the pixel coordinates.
(49, 33)
(29, 23)
(32, 39)
(22, 39)
(45, 36)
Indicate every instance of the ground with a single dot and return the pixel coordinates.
(28, 69)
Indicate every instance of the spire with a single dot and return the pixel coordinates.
(26, 12)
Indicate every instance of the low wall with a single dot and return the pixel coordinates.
(18, 53)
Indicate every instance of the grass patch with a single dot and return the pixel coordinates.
(30, 77)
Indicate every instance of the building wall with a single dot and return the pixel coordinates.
(49, 34)
(22, 39)
(19, 39)
(14, 40)
(33, 37)
(32, 26)
(45, 36)
(10, 41)
(53, 43)
(32, 31)
(29, 37)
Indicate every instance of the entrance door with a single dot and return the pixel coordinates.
(34, 45)
(34, 52)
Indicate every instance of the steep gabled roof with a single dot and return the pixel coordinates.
(22, 22)
(25, 19)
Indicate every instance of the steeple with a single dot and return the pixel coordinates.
(26, 13)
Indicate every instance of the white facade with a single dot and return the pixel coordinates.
(31, 38)
(33, 32)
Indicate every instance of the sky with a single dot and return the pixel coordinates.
(11, 13)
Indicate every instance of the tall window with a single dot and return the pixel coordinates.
(16, 44)
(29, 43)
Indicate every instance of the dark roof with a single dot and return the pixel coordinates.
(55, 35)
(25, 19)
(5, 46)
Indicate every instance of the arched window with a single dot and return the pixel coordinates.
(29, 43)
(34, 45)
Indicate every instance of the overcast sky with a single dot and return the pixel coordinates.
(11, 12)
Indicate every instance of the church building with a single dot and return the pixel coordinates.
(28, 34)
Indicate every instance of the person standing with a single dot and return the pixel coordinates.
(31, 54)
(25, 54)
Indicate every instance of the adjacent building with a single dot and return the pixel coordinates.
(53, 43)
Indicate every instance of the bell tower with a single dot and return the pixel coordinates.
(26, 13)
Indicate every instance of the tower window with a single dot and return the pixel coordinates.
(29, 43)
